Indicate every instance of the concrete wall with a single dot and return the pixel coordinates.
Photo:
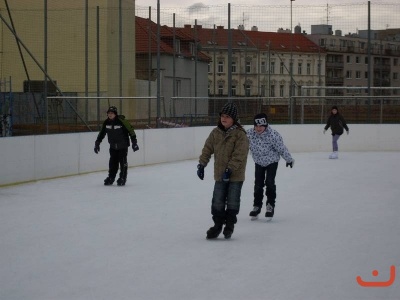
(30, 158)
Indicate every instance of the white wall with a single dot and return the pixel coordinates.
(31, 158)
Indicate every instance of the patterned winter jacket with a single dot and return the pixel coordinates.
(267, 148)
(118, 132)
(230, 149)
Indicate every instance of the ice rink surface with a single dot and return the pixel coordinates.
(73, 238)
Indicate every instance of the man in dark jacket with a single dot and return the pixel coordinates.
(118, 131)
(336, 122)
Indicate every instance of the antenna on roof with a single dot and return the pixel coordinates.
(327, 13)
(244, 19)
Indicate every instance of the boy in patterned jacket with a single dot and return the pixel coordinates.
(266, 146)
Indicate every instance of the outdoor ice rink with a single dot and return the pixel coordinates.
(73, 238)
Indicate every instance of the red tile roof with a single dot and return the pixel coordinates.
(166, 40)
(279, 42)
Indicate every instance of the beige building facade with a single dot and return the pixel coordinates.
(347, 63)
(105, 64)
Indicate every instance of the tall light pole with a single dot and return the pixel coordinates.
(291, 65)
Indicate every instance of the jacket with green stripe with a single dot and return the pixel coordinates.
(118, 132)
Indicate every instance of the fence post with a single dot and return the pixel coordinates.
(302, 111)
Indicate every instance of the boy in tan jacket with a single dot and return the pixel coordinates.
(229, 145)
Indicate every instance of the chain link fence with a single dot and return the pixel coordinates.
(82, 58)
(62, 116)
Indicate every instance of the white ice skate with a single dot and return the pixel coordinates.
(334, 155)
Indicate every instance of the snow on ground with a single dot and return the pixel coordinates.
(73, 238)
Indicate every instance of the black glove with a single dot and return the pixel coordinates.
(227, 175)
(96, 147)
(135, 146)
(200, 171)
(291, 164)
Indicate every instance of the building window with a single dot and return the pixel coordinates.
(209, 89)
(366, 75)
(348, 74)
(220, 67)
(308, 69)
(262, 90)
(358, 74)
(348, 59)
(233, 91)
(395, 75)
(248, 66)
(281, 90)
(299, 67)
(366, 60)
(282, 67)
(357, 59)
(395, 61)
(178, 88)
(220, 89)
(247, 90)
(234, 66)
(272, 91)
(263, 67)
(272, 68)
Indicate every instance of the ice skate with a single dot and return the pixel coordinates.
(334, 155)
(214, 231)
(121, 181)
(269, 213)
(108, 181)
(228, 230)
(255, 212)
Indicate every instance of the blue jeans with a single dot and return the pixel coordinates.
(226, 201)
(334, 142)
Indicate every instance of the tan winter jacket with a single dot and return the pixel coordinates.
(230, 150)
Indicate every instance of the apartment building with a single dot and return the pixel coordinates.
(348, 63)
(264, 64)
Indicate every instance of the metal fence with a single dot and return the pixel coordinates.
(60, 114)
(294, 110)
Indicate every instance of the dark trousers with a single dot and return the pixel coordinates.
(226, 202)
(118, 158)
(265, 176)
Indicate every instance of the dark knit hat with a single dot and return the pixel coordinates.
(112, 109)
(334, 107)
(229, 109)
(261, 120)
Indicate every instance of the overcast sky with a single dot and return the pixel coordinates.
(170, 3)
(348, 16)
